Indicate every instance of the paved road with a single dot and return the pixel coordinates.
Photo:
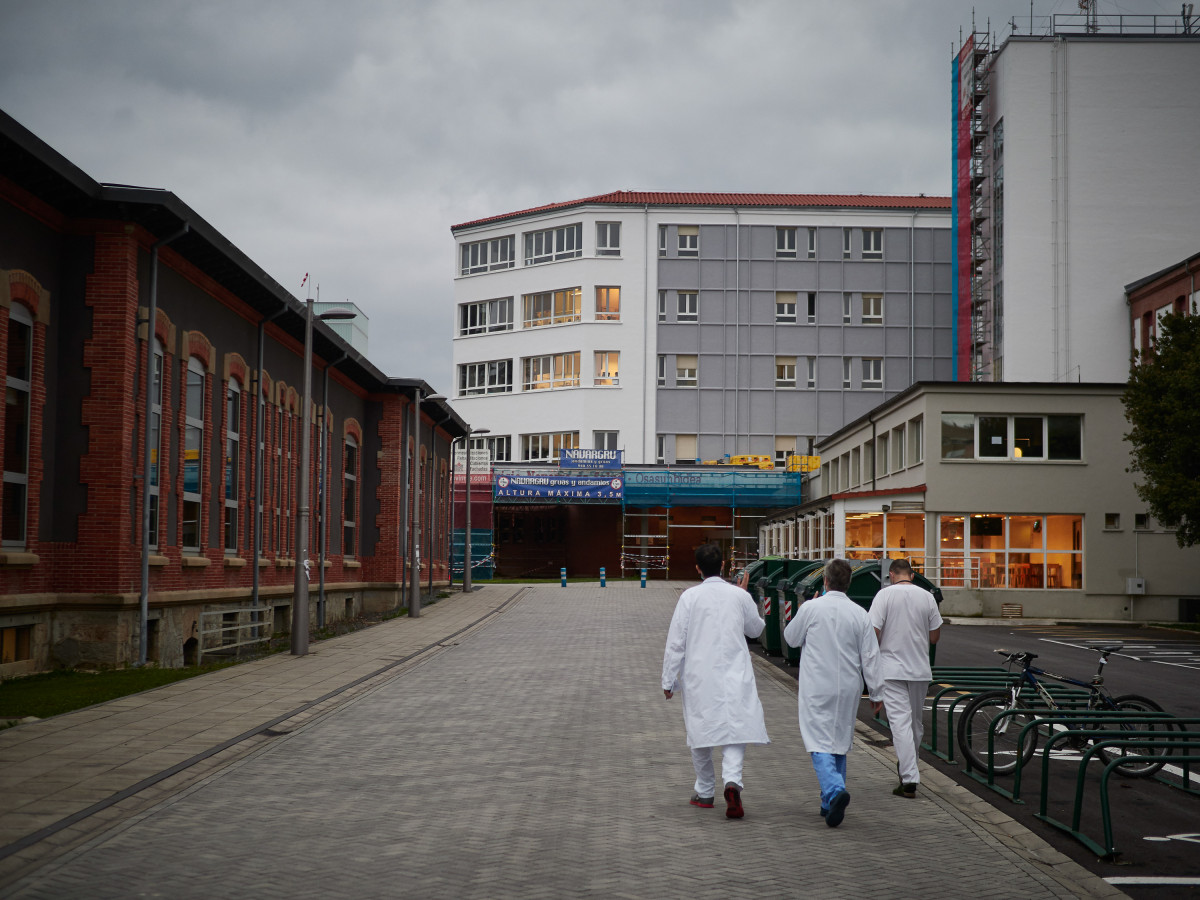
(534, 756)
(1157, 829)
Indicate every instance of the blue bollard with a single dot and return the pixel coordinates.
(602, 576)
(643, 577)
(563, 574)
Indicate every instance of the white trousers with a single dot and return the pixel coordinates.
(732, 757)
(904, 703)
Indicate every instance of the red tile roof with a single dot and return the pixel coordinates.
(698, 199)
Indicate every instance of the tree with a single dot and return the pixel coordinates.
(1162, 403)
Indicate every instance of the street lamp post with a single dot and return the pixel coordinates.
(414, 603)
(303, 512)
(467, 543)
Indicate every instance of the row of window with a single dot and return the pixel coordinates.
(565, 306)
(974, 550)
(553, 370)
(281, 454)
(687, 367)
(17, 407)
(542, 446)
(686, 448)
(566, 242)
(543, 246)
(1013, 437)
(558, 307)
(888, 452)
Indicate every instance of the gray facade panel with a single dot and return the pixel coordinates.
(796, 275)
(865, 277)
(762, 339)
(762, 275)
(762, 307)
(762, 242)
(712, 275)
(677, 274)
(896, 243)
(864, 341)
(712, 338)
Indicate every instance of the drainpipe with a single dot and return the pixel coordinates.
(323, 505)
(151, 316)
(737, 333)
(648, 318)
(912, 295)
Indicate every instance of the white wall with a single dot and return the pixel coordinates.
(1107, 127)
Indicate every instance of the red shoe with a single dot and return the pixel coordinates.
(702, 802)
(733, 801)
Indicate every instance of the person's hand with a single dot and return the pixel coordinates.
(876, 706)
(743, 580)
(668, 694)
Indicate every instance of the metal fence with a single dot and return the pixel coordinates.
(225, 631)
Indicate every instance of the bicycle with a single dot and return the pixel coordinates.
(977, 717)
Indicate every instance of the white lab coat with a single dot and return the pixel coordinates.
(706, 657)
(839, 653)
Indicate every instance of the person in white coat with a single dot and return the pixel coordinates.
(906, 621)
(707, 658)
(838, 653)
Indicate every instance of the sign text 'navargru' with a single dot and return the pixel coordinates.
(589, 459)
(563, 487)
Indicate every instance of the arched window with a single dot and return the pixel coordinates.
(156, 386)
(16, 425)
(233, 450)
(277, 482)
(349, 497)
(193, 455)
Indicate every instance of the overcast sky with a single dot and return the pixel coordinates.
(345, 138)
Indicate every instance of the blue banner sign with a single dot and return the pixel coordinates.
(590, 459)
(559, 487)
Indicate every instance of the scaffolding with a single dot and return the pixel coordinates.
(984, 210)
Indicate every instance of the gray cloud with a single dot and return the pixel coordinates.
(345, 139)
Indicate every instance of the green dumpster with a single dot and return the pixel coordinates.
(772, 603)
(786, 596)
(866, 578)
(761, 571)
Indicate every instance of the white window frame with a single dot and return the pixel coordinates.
(350, 460)
(660, 448)
(550, 372)
(872, 373)
(847, 309)
(608, 303)
(662, 240)
(606, 440)
(23, 388)
(872, 309)
(231, 476)
(846, 246)
(561, 307)
(785, 371)
(899, 448)
(608, 238)
(153, 488)
(490, 255)
(916, 440)
(662, 370)
(193, 427)
(688, 240)
(687, 306)
(811, 381)
(847, 371)
(811, 312)
(785, 308)
(493, 376)
(812, 243)
(545, 446)
(485, 316)
(687, 375)
(499, 446)
(553, 244)
(785, 242)
(872, 243)
(608, 368)
(662, 306)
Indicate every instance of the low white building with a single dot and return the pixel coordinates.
(1013, 498)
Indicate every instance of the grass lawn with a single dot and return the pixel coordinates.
(52, 693)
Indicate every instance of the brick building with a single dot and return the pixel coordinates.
(1170, 290)
(77, 268)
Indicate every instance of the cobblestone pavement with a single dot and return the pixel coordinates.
(534, 756)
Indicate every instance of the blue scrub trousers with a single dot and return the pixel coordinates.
(831, 773)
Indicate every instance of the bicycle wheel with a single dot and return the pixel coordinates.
(1135, 703)
(973, 727)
